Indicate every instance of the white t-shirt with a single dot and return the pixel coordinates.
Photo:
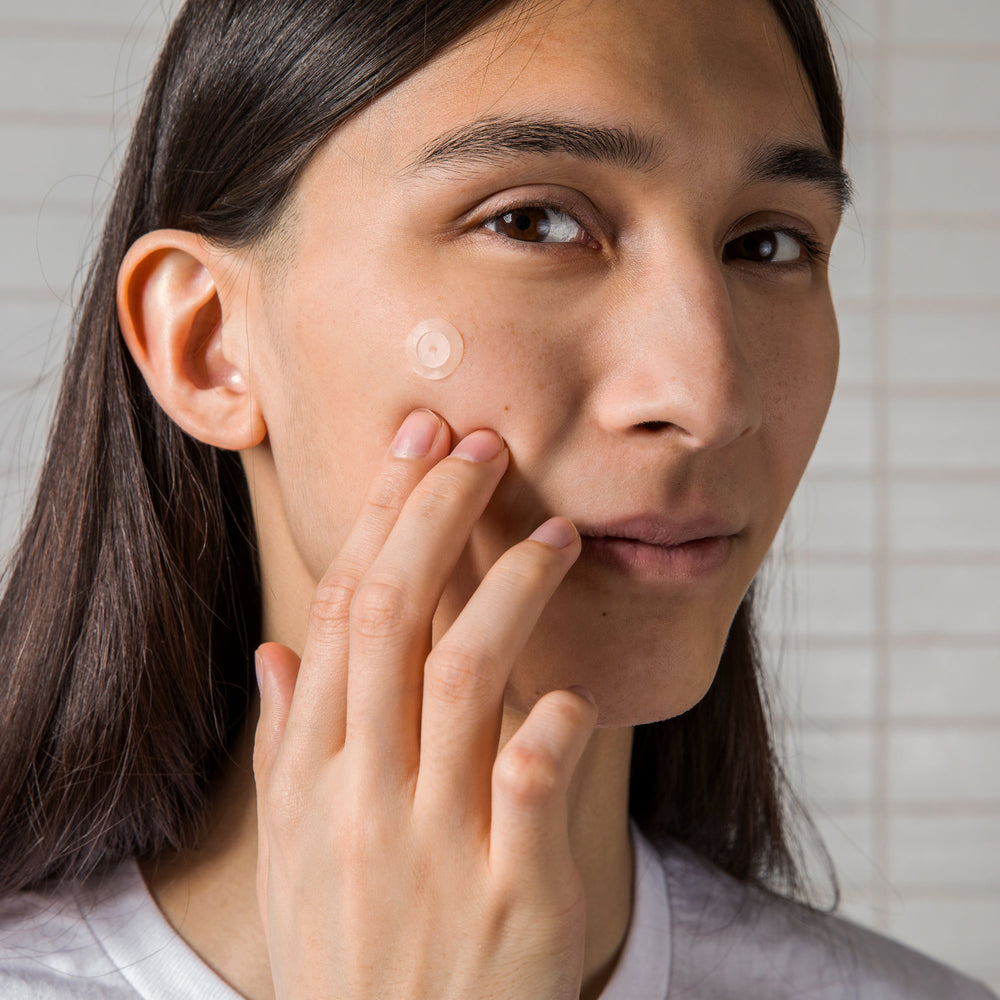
(694, 933)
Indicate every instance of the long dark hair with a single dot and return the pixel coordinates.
(131, 606)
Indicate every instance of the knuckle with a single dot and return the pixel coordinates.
(332, 599)
(286, 802)
(379, 609)
(261, 758)
(526, 776)
(389, 490)
(457, 675)
(562, 710)
(439, 493)
(521, 569)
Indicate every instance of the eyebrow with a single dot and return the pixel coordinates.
(495, 140)
(805, 164)
(492, 140)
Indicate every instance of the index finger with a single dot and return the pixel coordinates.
(319, 705)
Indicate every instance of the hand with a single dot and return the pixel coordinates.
(400, 855)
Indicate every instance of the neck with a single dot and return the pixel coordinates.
(209, 894)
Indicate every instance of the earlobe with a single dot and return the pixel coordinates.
(177, 328)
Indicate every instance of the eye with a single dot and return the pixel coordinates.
(538, 224)
(771, 246)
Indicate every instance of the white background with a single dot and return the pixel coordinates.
(883, 612)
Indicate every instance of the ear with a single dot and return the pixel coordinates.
(190, 348)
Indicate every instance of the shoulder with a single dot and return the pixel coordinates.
(104, 939)
(48, 950)
(734, 940)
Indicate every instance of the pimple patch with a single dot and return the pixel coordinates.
(434, 348)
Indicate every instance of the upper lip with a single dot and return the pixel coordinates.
(662, 531)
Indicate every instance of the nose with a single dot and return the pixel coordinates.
(676, 363)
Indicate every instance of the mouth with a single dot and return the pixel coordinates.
(657, 548)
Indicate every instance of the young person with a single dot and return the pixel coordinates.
(460, 359)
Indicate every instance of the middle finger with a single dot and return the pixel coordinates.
(393, 607)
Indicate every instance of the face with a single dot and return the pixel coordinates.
(643, 300)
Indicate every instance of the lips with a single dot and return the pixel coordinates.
(659, 547)
(651, 530)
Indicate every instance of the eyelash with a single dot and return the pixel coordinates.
(813, 251)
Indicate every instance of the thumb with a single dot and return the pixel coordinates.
(277, 671)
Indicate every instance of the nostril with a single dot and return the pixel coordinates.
(653, 425)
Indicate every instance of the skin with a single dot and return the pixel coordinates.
(644, 367)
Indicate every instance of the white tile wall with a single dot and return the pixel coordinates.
(954, 431)
(942, 853)
(958, 22)
(920, 408)
(951, 93)
(938, 681)
(857, 346)
(943, 765)
(835, 516)
(958, 347)
(942, 258)
(823, 686)
(938, 518)
(938, 598)
(952, 177)
(962, 929)
(883, 610)
(847, 444)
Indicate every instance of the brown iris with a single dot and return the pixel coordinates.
(530, 224)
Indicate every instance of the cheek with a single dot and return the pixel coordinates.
(328, 391)
(798, 375)
(336, 367)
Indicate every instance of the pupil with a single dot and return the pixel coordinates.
(531, 223)
(766, 248)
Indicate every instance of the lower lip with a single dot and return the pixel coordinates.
(685, 561)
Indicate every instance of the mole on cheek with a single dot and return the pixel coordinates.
(434, 348)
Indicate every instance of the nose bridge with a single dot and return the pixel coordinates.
(682, 365)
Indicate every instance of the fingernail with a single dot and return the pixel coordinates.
(258, 665)
(583, 693)
(479, 446)
(416, 435)
(557, 532)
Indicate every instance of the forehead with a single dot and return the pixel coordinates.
(702, 77)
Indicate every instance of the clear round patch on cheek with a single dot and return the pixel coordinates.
(434, 348)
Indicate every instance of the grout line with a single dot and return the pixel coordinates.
(940, 304)
(982, 556)
(21, 295)
(903, 134)
(66, 30)
(902, 723)
(929, 892)
(931, 475)
(58, 119)
(921, 390)
(51, 206)
(915, 474)
(904, 893)
(856, 309)
(944, 220)
(902, 642)
(966, 51)
(881, 693)
(926, 809)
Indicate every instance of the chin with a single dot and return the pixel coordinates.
(656, 670)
